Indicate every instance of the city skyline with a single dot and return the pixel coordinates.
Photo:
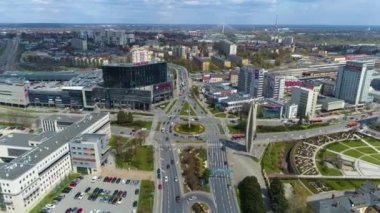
(299, 12)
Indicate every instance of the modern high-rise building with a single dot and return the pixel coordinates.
(251, 81)
(306, 99)
(274, 86)
(138, 55)
(134, 75)
(353, 81)
(227, 47)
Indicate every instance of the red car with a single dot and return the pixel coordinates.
(80, 210)
(73, 184)
(68, 210)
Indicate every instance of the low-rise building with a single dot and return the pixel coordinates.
(220, 62)
(233, 103)
(14, 95)
(202, 63)
(330, 104)
(79, 44)
(239, 61)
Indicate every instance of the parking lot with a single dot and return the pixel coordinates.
(105, 201)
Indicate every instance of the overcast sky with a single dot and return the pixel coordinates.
(332, 12)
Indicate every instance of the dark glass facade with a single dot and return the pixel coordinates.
(58, 98)
(131, 76)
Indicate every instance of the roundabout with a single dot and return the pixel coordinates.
(193, 129)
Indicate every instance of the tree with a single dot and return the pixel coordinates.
(277, 196)
(300, 121)
(121, 117)
(250, 196)
(206, 173)
(129, 117)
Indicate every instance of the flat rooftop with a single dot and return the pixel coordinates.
(16, 139)
(132, 64)
(29, 159)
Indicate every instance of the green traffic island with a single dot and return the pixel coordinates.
(146, 197)
(187, 109)
(192, 129)
(190, 141)
(200, 207)
(194, 171)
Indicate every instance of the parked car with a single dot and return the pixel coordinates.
(87, 190)
(124, 194)
(137, 191)
(50, 206)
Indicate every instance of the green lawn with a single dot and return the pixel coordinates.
(371, 159)
(366, 150)
(337, 147)
(234, 130)
(185, 109)
(141, 159)
(345, 184)
(220, 115)
(54, 193)
(353, 153)
(146, 197)
(138, 124)
(273, 155)
(170, 106)
(353, 143)
(195, 128)
(323, 169)
(372, 141)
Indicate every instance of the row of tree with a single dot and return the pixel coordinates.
(277, 196)
(250, 196)
(124, 118)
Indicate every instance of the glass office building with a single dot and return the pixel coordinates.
(134, 75)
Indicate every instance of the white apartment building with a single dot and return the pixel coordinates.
(31, 175)
(306, 99)
(139, 54)
(227, 47)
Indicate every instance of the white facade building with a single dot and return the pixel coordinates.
(29, 177)
(16, 94)
(306, 99)
(138, 55)
(227, 47)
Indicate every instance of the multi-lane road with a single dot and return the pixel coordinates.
(171, 197)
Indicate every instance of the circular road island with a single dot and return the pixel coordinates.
(193, 129)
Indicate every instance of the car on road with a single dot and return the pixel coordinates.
(87, 190)
(168, 166)
(166, 179)
(192, 198)
(177, 198)
(159, 186)
(225, 163)
(50, 206)
(172, 161)
(175, 179)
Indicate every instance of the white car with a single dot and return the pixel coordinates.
(166, 179)
(50, 206)
(192, 198)
(93, 179)
(120, 201)
(175, 179)
(80, 197)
